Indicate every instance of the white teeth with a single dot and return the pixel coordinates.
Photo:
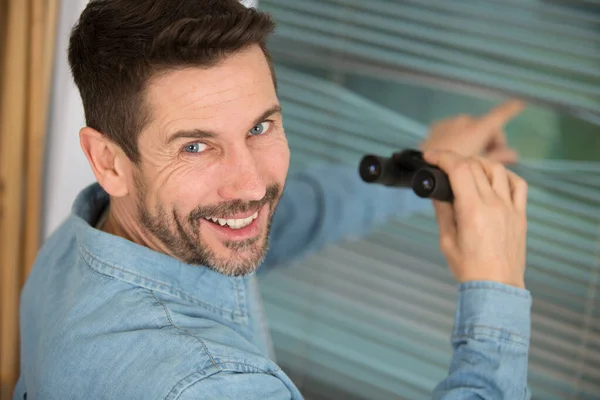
(235, 223)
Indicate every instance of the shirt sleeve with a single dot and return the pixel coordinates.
(235, 386)
(490, 341)
(491, 344)
(327, 203)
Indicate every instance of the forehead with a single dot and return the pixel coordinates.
(233, 92)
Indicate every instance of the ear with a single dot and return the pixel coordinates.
(107, 160)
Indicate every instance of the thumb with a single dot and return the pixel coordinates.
(504, 155)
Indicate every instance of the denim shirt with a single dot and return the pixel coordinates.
(105, 318)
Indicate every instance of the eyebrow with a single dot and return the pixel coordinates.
(202, 134)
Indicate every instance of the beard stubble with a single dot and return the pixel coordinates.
(181, 234)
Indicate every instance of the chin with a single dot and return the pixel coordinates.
(238, 258)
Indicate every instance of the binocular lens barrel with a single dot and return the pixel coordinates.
(407, 170)
(432, 183)
(371, 168)
(381, 170)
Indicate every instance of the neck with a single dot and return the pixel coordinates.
(122, 222)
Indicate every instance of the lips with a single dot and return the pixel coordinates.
(237, 229)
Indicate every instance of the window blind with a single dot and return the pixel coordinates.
(370, 318)
(534, 49)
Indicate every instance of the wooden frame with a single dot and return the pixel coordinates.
(25, 74)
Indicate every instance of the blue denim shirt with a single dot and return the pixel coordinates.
(105, 318)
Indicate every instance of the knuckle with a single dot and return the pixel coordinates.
(462, 167)
(502, 210)
(498, 168)
(522, 184)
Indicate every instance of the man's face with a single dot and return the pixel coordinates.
(214, 159)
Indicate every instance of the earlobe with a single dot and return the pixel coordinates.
(103, 156)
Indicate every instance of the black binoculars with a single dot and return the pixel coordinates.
(407, 169)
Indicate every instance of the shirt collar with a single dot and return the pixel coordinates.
(141, 266)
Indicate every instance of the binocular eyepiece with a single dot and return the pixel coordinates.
(407, 169)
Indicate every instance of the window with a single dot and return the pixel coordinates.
(371, 319)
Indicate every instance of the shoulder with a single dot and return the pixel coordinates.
(89, 335)
(126, 346)
(168, 362)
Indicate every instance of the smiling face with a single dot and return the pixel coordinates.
(214, 159)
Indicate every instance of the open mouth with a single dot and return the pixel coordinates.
(237, 223)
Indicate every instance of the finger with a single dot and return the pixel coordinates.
(458, 171)
(518, 188)
(499, 179)
(499, 116)
(482, 179)
(504, 155)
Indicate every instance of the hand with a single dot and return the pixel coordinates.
(483, 233)
(470, 136)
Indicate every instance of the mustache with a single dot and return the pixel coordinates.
(228, 208)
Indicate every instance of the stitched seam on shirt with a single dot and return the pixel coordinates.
(191, 383)
(188, 386)
(495, 329)
(237, 295)
(168, 314)
(208, 376)
(253, 367)
(522, 295)
(182, 295)
(495, 338)
(256, 369)
(462, 334)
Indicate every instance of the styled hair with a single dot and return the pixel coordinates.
(117, 46)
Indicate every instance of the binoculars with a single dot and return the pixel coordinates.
(407, 169)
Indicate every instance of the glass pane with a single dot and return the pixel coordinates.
(371, 318)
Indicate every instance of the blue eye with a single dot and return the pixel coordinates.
(194, 147)
(260, 128)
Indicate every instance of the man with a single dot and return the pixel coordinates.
(148, 290)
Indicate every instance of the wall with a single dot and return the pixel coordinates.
(67, 170)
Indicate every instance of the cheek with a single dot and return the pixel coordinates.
(184, 187)
(275, 160)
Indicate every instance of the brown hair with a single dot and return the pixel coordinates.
(117, 46)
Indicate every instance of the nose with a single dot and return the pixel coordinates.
(241, 177)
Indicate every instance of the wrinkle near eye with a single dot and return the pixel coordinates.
(164, 166)
(174, 173)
